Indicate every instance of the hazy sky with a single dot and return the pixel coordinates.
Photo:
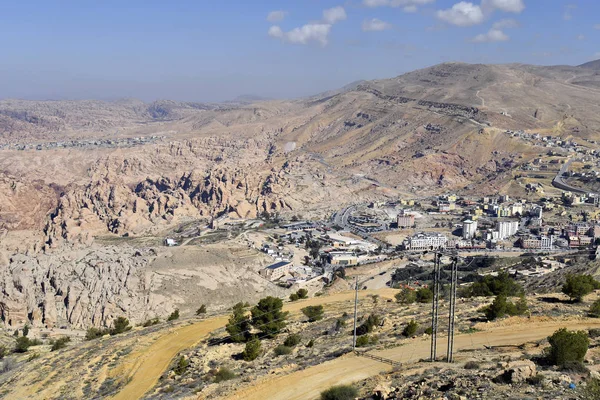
(201, 50)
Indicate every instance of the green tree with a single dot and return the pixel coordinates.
(268, 317)
(579, 286)
(410, 329)
(252, 350)
(567, 346)
(314, 313)
(238, 326)
(341, 392)
(489, 285)
(302, 293)
(120, 325)
(174, 315)
(424, 295)
(497, 309)
(406, 296)
(367, 327)
(201, 310)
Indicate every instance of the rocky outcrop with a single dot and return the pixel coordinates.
(78, 289)
(109, 205)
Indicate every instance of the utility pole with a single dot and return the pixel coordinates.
(451, 315)
(355, 313)
(435, 305)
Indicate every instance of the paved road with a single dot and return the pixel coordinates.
(560, 183)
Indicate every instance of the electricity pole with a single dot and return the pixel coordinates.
(451, 315)
(435, 305)
(355, 313)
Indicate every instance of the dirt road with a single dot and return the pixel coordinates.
(144, 368)
(310, 382)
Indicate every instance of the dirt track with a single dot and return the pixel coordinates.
(145, 368)
(310, 382)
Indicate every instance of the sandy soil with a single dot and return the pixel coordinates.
(145, 367)
(309, 383)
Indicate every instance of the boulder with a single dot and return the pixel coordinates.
(520, 371)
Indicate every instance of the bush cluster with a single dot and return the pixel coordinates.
(489, 285)
(314, 313)
(579, 286)
(367, 327)
(341, 392)
(501, 307)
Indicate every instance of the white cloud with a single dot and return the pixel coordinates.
(335, 14)
(597, 27)
(462, 14)
(580, 37)
(568, 15)
(276, 16)
(511, 6)
(494, 35)
(317, 32)
(374, 25)
(505, 24)
(409, 6)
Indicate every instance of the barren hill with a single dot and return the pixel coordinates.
(72, 171)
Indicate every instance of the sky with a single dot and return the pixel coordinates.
(207, 51)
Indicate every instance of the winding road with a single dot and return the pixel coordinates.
(143, 368)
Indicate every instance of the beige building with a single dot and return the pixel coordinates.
(275, 271)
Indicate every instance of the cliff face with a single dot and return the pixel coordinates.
(110, 205)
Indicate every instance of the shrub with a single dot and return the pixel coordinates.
(26, 330)
(311, 343)
(536, 380)
(429, 330)
(252, 350)
(424, 295)
(60, 343)
(342, 392)
(410, 329)
(224, 374)
(579, 286)
(201, 310)
(591, 389)
(174, 315)
(120, 325)
(294, 297)
(23, 344)
(367, 326)
(566, 346)
(362, 341)
(94, 333)
(594, 333)
(471, 365)
(292, 340)
(181, 366)
(302, 293)
(239, 324)
(151, 322)
(339, 324)
(3, 351)
(268, 317)
(595, 309)
(282, 350)
(314, 313)
(406, 296)
(574, 367)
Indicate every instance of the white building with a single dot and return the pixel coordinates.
(469, 229)
(426, 241)
(506, 229)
